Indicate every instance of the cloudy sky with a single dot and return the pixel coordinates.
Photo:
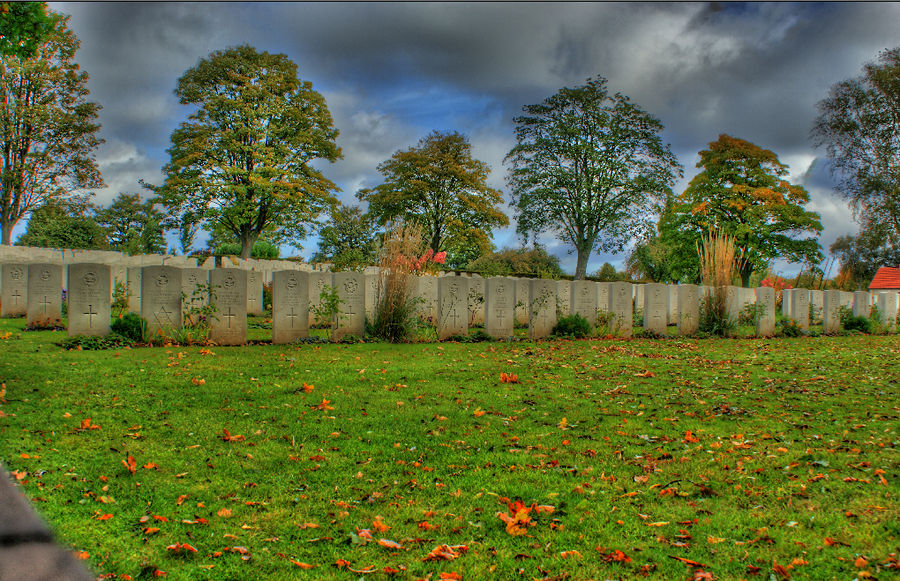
(391, 73)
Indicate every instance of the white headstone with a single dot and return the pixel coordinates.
(88, 299)
(15, 289)
(800, 308)
(563, 298)
(862, 304)
(672, 304)
(428, 291)
(640, 292)
(523, 288)
(255, 293)
(290, 305)
(688, 309)
(603, 296)
(656, 310)
(765, 319)
(887, 310)
(817, 305)
(499, 306)
(161, 298)
(786, 303)
(584, 300)
(352, 318)
(371, 288)
(229, 289)
(318, 280)
(621, 307)
(194, 286)
(542, 307)
(476, 300)
(453, 313)
(44, 295)
(135, 274)
(831, 312)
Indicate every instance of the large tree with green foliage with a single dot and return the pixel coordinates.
(862, 255)
(47, 127)
(349, 240)
(23, 27)
(132, 226)
(743, 192)
(243, 160)
(590, 167)
(64, 223)
(859, 126)
(438, 185)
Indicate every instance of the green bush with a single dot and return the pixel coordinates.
(131, 326)
(861, 324)
(789, 328)
(91, 343)
(572, 326)
(261, 249)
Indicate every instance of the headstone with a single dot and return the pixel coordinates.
(135, 274)
(542, 296)
(584, 300)
(733, 308)
(229, 287)
(499, 306)
(887, 310)
(209, 263)
(352, 317)
(523, 288)
(453, 309)
(194, 286)
(476, 300)
(862, 303)
(817, 304)
(656, 310)
(765, 312)
(847, 300)
(88, 299)
(563, 298)
(371, 286)
(672, 304)
(428, 292)
(44, 295)
(621, 307)
(688, 309)
(255, 305)
(161, 298)
(786, 303)
(290, 305)
(800, 308)
(318, 280)
(603, 296)
(640, 292)
(831, 312)
(15, 289)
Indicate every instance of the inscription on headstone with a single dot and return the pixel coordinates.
(499, 305)
(352, 318)
(290, 305)
(229, 289)
(542, 307)
(88, 296)
(453, 313)
(44, 295)
(161, 298)
(688, 309)
(656, 309)
(14, 289)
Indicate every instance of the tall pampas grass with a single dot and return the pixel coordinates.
(395, 299)
(719, 261)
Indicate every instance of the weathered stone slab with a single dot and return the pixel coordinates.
(428, 292)
(603, 296)
(318, 280)
(88, 299)
(255, 293)
(733, 306)
(195, 288)
(161, 298)
(352, 318)
(563, 298)
(765, 313)
(621, 306)
(800, 308)
(290, 305)
(887, 310)
(135, 275)
(523, 292)
(15, 289)
(371, 289)
(499, 306)
(542, 307)
(584, 300)
(476, 300)
(229, 294)
(786, 303)
(44, 295)
(640, 292)
(688, 309)
(817, 305)
(862, 303)
(672, 304)
(831, 312)
(453, 306)
(656, 308)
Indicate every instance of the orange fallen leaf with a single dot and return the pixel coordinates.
(690, 437)
(229, 438)
(450, 576)
(151, 466)
(130, 464)
(83, 555)
(379, 525)
(224, 512)
(181, 548)
(646, 373)
(301, 564)
(308, 388)
(150, 530)
(567, 554)
(446, 552)
(105, 517)
(181, 499)
(323, 406)
(389, 544)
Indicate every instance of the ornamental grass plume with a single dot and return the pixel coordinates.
(395, 300)
(719, 261)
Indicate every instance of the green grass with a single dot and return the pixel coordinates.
(794, 437)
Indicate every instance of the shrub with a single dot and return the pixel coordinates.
(261, 249)
(92, 343)
(572, 326)
(789, 328)
(121, 294)
(131, 326)
(718, 263)
(861, 324)
(328, 309)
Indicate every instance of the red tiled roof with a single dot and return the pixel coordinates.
(887, 277)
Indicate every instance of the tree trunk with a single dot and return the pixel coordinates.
(248, 239)
(581, 266)
(746, 271)
(6, 228)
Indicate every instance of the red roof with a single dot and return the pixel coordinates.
(887, 277)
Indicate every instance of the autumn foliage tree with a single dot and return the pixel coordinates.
(47, 127)
(590, 167)
(743, 192)
(243, 160)
(440, 187)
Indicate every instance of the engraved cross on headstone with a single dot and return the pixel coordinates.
(46, 302)
(16, 296)
(90, 315)
(291, 316)
(229, 315)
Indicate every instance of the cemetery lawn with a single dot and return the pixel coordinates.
(664, 459)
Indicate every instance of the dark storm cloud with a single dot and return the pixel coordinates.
(393, 72)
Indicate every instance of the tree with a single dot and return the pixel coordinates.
(438, 185)
(243, 160)
(859, 125)
(862, 255)
(64, 223)
(518, 261)
(349, 240)
(589, 167)
(47, 128)
(742, 192)
(132, 226)
(23, 26)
